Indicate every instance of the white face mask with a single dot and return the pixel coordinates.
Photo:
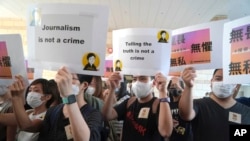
(141, 89)
(3, 90)
(75, 89)
(90, 90)
(34, 99)
(222, 90)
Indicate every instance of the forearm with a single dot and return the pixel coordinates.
(186, 104)
(8, 119)
(22, 118)
(79, 127)
(79, 100)
(165, 125)
(108, 106)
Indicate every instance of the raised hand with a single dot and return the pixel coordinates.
(160, 82)
(188, 76)
(64, 82)
(114, 80)
(17, 88)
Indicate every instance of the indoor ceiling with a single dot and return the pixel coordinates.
(169, 14)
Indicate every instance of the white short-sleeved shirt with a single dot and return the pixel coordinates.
(28, 136)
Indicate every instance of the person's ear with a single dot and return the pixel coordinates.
(48, 97)
(211, 81)
(84, 85)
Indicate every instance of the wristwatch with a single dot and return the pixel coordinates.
(166, 99)
(69, 100)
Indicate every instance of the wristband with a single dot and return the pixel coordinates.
(69, 100)
(166, 99)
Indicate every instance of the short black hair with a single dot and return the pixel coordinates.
(90, 55)
(84, 78)
(117, 61)
(216, 71)
(180, 82)
(55, 91)
(163, 32)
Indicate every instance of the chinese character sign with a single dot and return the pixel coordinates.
(237, 51)
(70, 35)
(141, 51)
(240, 48)
(199, 46)
(5, 63)
(11, 58)
(108, 68)
(191, 48)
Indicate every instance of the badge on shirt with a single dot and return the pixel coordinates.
(68, 132)
(42, 117)
(235, 117)
(144, 112)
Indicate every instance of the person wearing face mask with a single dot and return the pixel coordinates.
(93, 86)
(92, 93)
(74, 119)
(39, 98)
(96, 86)
(146, 118)
(182, 129)
(89, 91)
(211, 116)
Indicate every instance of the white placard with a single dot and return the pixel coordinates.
(141, 51)
(68, 35)
(11, 58)
(199, 46)
(236, 51)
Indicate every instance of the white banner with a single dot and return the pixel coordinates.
(141, 51)
(236, 51)
(11, 58)
(72, 35)
(199, 46)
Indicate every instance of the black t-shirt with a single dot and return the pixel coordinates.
(53, 128)
(244, 100)
(212, 121)
(140, 123)
(183, 131)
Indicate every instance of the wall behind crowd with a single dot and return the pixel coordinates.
(15, 26)
(202, 82)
